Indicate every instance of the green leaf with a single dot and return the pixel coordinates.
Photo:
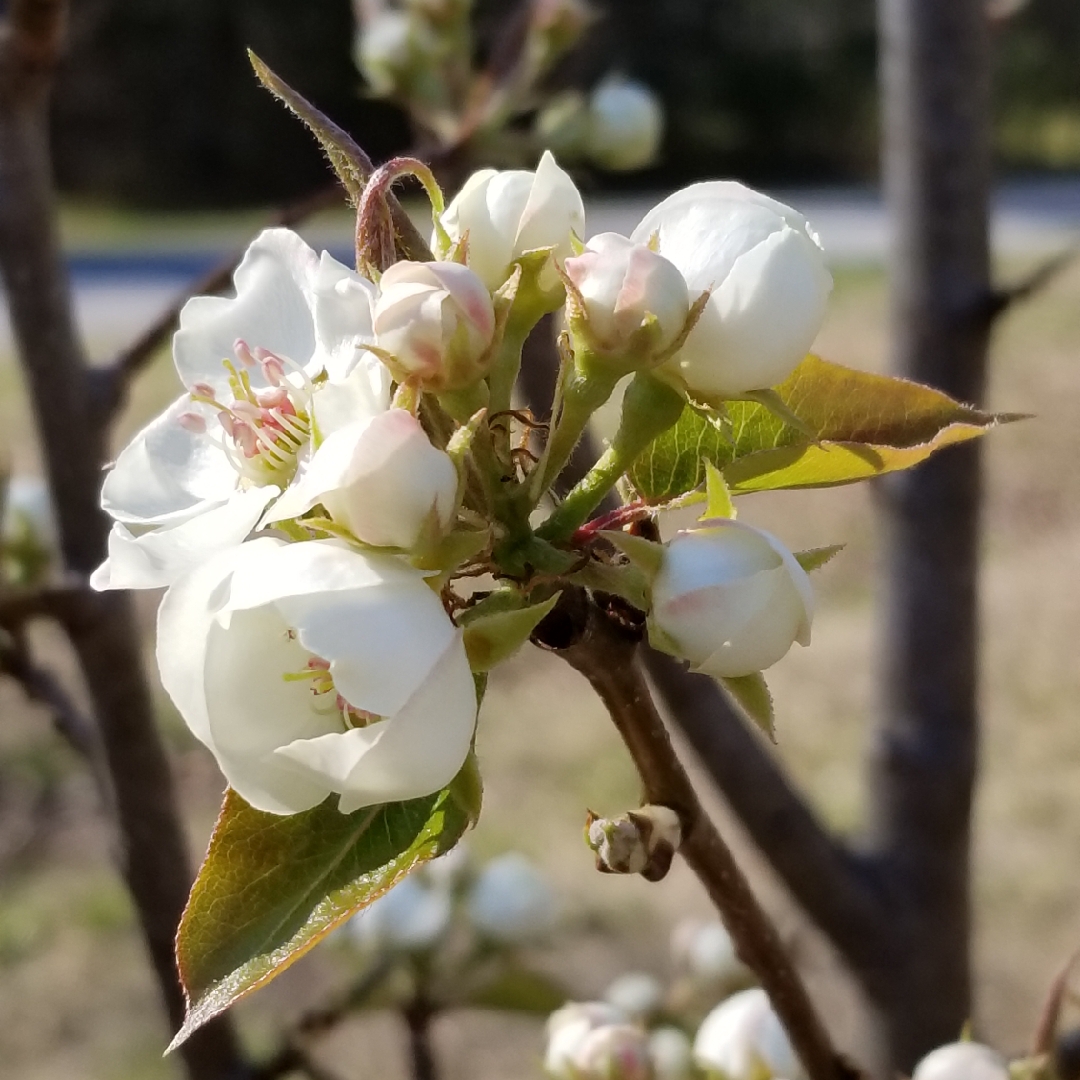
(816, 558)
(271, 887)
(718, 497)
(516, 989)
(863, 425)
(753, 696)
(349, 162)
(492, 638)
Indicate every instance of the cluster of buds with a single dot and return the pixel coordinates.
(300, 508)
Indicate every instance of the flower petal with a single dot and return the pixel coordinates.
(271, 310)
(167, 473)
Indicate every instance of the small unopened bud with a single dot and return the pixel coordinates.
(626, 124)
(640, 842)
(962, 1061)
(435, 323)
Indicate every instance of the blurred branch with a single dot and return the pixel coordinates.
(41, 685)
(103, 631)
(601, 645)
(1001, 300)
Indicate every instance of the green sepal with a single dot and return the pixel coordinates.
(662, 641)
(451, 551)
(754, 699)
(494, 637)
(815, 558)
(467, 788)
(646, 555)
(718, 501)
(774, 403)
(629, 582)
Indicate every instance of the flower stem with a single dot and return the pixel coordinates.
(603, 650)
(649, 408)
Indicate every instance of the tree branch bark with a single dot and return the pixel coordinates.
(603, 649)
(104, 635)
(936, 95)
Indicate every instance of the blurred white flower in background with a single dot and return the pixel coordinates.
(962, 1061)
(413, 916)
(511, 902)
(743, 1039)
(704, 948)
(636, 993)
(670, 1051)
(28, 531)
(625, 124)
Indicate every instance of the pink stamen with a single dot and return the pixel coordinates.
(228, 422)
(274, 370)
(193, 422)
(243, 353)
(203, 390)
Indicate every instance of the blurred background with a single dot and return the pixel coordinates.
(169, 156)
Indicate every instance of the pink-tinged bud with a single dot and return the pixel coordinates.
(192, 422)
(729, 598)
(609, 1052)
(625, 287)
(242, 352)
(437, 322)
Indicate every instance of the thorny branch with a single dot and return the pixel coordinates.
(601, 645)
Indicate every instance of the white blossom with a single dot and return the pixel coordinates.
(962, 1061)
(730, 598)
(310, 668)
(623, 284)
(567, 1030)
(704, 948)
(626, 124)
(381, 478)
(437, 321)
(743, 1039)
(198, 477)
(613, 1052)
(506, 214)
(636, 993)
(671, 1053)
(769, 285)
(511, 902)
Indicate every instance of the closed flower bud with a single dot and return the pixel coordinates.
(637, 994)
(411, 917)
(769, 285)
(390, 48)
(510, 902)
(962, 1061)
(506, 214)
(437, 322)
(743, 1039)
(642, 842)
(670, 1053)
(613, 1052)
(626, 288)
(626, 124)
(380, 478)
(730, 599)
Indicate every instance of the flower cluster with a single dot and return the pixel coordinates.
(345, 457)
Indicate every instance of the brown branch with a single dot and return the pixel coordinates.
(105, 636)
(1001, 300)
(601, 645)
(1046, 1027)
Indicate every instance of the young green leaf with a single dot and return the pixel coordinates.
(755, 700)
(517, 989)
(272, 887)
(718, 501)
(816, 558)
(863, 425)
(492, 638)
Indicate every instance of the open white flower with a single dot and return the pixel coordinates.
(310, 668)
(768, 278)
(729, 598)
(262, 370)
(381, 478)
(743, 1039)
(506, 214)
(569, 1028)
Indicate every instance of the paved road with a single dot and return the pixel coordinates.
(119, 293)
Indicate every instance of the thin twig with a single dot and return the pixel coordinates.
(601, 645)
(1001, 300)
(1045, 1035)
